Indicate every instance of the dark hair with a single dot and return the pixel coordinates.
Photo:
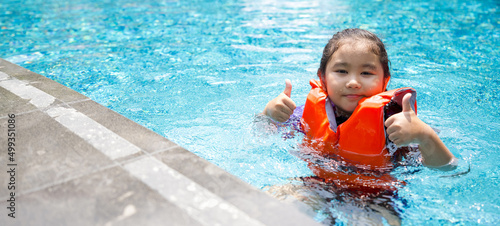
(355, 33)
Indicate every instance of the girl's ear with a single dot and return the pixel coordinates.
(386, 82)
(321, 79)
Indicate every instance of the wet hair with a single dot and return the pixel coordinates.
(350, 34)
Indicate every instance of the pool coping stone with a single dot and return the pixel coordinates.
(80, 163)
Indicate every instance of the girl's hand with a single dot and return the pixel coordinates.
(405, 127)
(281, 108)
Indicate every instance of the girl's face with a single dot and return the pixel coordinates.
(353, 73)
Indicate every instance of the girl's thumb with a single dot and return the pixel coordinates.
(406, 103)
(288, 88)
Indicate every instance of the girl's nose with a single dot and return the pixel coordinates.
(353, 83)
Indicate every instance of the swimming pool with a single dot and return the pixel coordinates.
(197, 72)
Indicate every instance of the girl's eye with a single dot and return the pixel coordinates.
(367, 73)
(342, 71)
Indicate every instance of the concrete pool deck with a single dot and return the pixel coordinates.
(75, 162)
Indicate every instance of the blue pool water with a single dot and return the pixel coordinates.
(197, 72)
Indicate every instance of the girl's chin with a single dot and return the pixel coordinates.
(348, 108)
(344, 111)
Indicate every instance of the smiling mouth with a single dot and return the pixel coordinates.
(353, 96)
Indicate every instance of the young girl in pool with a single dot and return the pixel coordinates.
(355, 130)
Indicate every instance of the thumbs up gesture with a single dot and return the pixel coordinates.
(281, 108)
(405, 127)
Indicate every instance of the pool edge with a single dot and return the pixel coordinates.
(43, 111)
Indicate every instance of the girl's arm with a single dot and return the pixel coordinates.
(405, 128)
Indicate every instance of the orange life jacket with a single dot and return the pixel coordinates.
(360, 141)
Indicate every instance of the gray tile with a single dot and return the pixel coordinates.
(108, 197)
(19, 96)
(136, 134)
(57, 90)
(12, 104)
(47, 153)
(252, 201)
(16, 70)
(193, 198)
(41, 82)
(210, 176)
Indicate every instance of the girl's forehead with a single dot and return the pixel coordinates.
(358, 44)
(354, 51)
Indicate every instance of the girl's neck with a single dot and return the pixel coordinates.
(341, 116)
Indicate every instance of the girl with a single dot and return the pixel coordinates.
(350, 118)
